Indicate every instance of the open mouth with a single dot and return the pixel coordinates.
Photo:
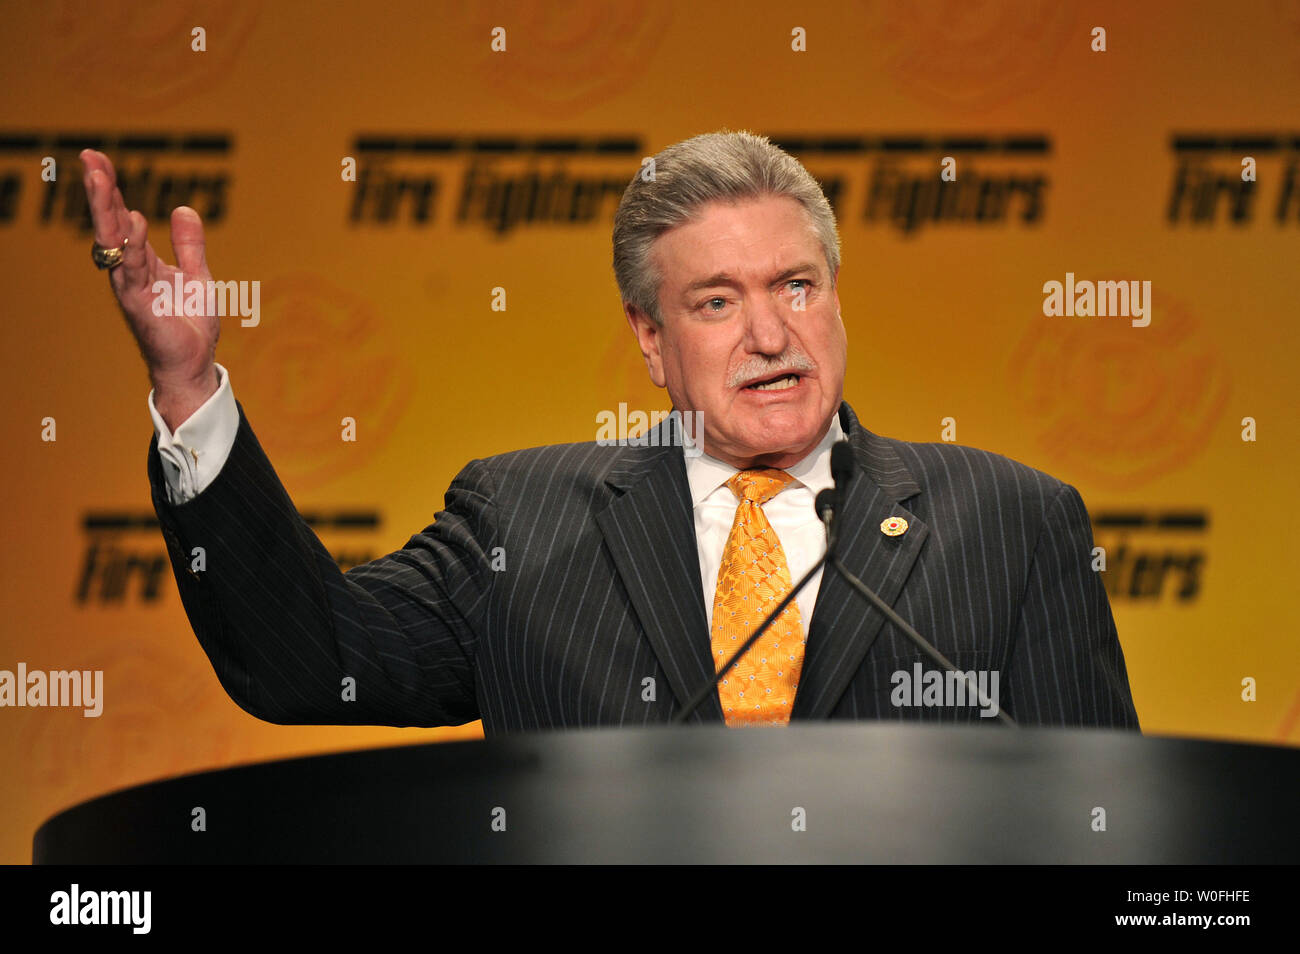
(779, 383)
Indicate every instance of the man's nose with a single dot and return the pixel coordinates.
(766, 329)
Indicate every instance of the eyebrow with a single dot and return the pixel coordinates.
(723, 278)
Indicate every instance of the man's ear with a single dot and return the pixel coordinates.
(647, 338)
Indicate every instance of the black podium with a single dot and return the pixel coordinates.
(832, 792)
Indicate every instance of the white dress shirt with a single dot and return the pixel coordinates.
(194, 455)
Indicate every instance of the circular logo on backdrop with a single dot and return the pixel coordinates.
(145, 59)
(972, 55)
(1118, 405)
(561, 56)
(320, 354)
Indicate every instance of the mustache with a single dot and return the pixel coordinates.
(793, 360)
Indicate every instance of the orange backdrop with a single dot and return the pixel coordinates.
(481, 169)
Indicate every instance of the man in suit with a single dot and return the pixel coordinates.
(585, 584)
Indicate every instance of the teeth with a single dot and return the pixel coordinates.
(780, 384)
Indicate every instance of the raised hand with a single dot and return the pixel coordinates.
(179, 350)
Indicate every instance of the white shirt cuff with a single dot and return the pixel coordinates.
(195, 454)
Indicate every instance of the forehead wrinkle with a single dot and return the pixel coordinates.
(775, 273)
(798, 247)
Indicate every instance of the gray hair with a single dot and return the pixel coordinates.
(727, 166)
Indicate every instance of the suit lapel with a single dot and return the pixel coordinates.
(645, 528)
(844, 625)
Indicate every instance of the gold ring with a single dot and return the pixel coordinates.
(108, 257)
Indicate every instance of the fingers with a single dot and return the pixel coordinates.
(110, 228)
(93, 159)
(114, 226)
(134, 272)
(187, 241)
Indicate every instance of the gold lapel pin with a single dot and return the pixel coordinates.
(893, 526)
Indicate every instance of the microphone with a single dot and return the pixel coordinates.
(827, 503)
(842, 464)
(829, 507)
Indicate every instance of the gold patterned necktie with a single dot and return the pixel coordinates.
(753, 578)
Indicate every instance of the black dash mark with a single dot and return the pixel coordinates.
(497, 145)
(75, 142)
(894, 145)
(1119, 521)
(20, 142)
(427, 144)
(343, 520)
(792, 145)
(359, 520)
(381, 144)
(968, 144)
(1193, 520)
(559, 145)
(1258, 144)
(109, 520)
(1195, 143)
(1027, 145)
(904, 144)
(1190, 520)
(844, 145)
(147, 144)
(1237, 144)
(616, 146)
(203, 143)
(123, 521)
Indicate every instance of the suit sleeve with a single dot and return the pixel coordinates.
(1067, 667)
(293, 639)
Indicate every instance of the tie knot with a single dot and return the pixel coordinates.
(759, 486)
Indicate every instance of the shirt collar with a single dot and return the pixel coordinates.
(706, 474)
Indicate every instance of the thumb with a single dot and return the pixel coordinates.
(187, 241)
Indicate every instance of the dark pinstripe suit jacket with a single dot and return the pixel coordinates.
(601, 591)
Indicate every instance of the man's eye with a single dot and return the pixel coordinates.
(712, 302)
(807, 283)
